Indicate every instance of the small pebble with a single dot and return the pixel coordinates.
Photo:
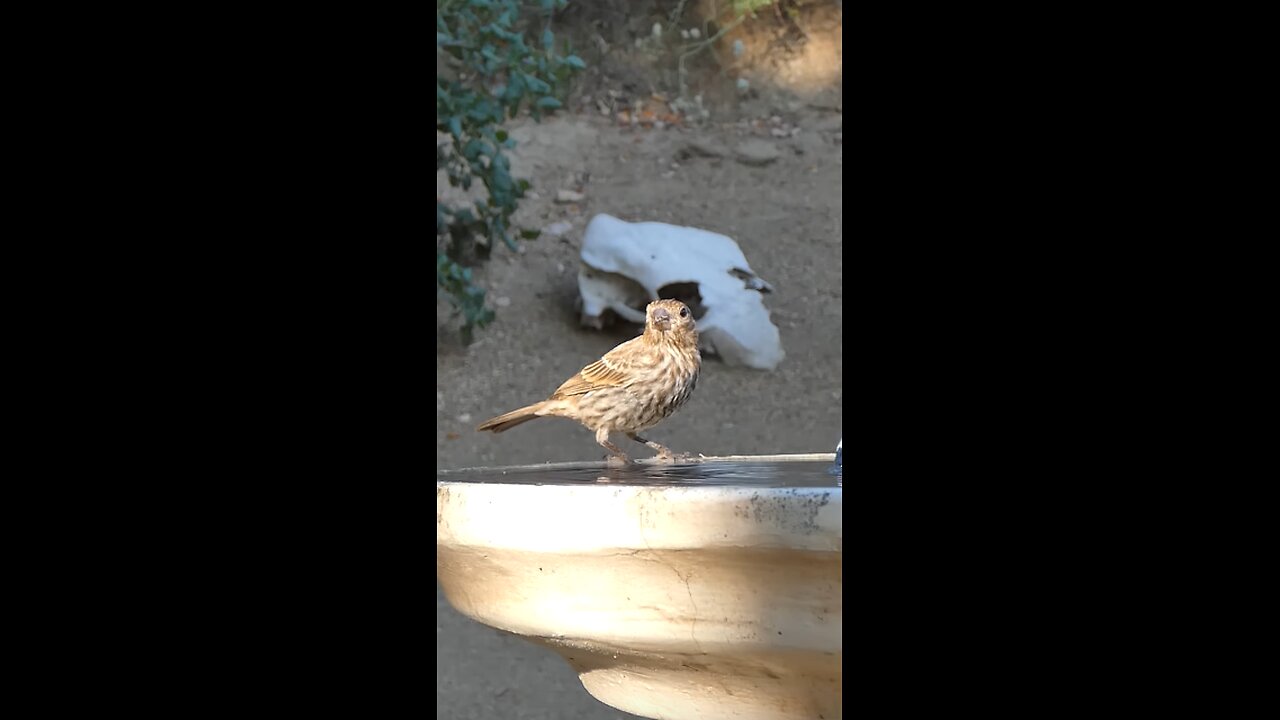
(557, 229)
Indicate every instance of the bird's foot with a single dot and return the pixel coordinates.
(672, 457)
(616, 461)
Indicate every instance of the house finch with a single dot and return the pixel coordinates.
(632, 388)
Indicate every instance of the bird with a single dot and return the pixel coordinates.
(631, 388)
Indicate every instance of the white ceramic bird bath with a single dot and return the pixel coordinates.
(707, 590)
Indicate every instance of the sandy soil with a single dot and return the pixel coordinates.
(787, 218)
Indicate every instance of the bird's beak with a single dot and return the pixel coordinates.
(662, 318)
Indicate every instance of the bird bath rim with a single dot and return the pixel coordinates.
(812, 470)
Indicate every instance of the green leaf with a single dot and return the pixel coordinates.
(501, 135)
(548, 39)
(515, 87)
(575, 61)
(536, 85)
(548, 102)
(530, 234)
(504, 34)
(482, 110)
(455, 127)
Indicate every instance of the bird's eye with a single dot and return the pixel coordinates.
(684, 312)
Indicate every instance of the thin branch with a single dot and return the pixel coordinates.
(675, 14)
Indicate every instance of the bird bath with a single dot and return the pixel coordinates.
(710, 589)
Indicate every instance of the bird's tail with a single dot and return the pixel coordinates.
(511, 419)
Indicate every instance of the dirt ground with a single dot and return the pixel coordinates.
(787, 217)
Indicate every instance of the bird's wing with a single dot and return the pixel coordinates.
(612, 370)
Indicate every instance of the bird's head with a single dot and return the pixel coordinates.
(669, 317)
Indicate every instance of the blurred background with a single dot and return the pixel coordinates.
(725, 116)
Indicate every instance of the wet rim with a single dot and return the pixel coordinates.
(647, 462)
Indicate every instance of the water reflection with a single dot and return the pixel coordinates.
(768, 473)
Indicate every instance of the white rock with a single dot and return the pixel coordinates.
(756, 152)
(568, 196)
(626, 264)
(695, 33)
(502, 301)
(556, 229)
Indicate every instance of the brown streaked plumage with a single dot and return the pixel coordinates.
(632, 388)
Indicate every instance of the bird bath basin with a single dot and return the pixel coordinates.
(710, 589)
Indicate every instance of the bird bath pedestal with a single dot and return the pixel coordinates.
(705, 590)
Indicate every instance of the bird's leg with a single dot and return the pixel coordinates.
(663, 451)
(602, 437)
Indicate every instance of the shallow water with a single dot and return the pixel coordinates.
(761, 472)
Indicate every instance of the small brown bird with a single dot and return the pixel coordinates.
(632, 388)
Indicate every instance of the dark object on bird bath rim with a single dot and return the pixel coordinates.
(703, 589)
